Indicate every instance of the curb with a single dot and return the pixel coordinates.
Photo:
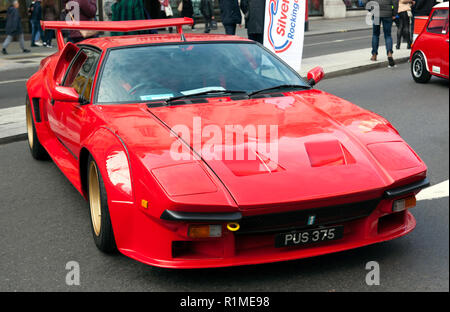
(13, 138)
(363, 68)
(336, 32)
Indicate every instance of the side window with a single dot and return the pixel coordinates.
(81, 74)
(439, 22)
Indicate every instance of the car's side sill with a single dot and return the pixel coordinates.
(407, 189)
(170, 215)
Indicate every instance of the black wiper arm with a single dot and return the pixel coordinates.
(175, 98)
(285, 86)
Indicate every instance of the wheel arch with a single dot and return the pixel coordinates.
(424, 57)
(111, 156)
(110, 153)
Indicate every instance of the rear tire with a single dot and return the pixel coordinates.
(98, 203)
(419, 69)
(37, 150)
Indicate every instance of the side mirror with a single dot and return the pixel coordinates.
(67, 94)
(315, 75)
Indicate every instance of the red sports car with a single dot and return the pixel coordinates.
(200, 151)
(430, 52)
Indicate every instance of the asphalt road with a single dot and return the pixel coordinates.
(12, 86)
(340, 42)
(44, 222)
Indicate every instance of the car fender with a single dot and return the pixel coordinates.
(112, 158)
(424, 56)
(34, 85)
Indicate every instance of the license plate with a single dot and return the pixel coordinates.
(297, 238)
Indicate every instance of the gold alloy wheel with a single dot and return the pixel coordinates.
(29, 126)
(94, 198)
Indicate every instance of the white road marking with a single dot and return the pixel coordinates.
(434, 192)
(336, 41)
(13, 81)
(12, 121)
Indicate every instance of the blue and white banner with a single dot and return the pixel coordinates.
(285, 29)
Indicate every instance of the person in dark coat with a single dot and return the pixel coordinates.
(231, 15)
(35, 20)
(188, 10)
(206, 8)
(49, 13)
(254, 11)
(128, 10)
(88, 9)
(13, 27)
(424, 7)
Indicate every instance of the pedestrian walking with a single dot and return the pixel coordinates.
(88, 9)
(35, 12)
(254, 12)
(128, 10)
(165, 12)
(403, 27)
(187, 10)
(387, 10)
(49, 13)
(13, 27)
(206, 8)
(231, 15)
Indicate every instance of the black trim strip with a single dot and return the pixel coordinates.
(293, 228)
(37, 110)
(201, 217)
(298, 219)
(68, 149)
(407, 189)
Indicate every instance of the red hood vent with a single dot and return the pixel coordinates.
(328, 153)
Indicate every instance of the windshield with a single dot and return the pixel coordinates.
(149, 73)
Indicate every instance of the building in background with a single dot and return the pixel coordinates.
(336, 8)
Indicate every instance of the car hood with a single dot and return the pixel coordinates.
(317, 146)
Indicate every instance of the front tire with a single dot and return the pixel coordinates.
(419, 69)
(98, 203)
(37, 150)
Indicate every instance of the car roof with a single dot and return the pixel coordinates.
(441, 5)
(136, 40)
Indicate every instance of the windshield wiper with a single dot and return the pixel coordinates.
(209, 92)
(285, 86)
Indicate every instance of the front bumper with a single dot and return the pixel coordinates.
(171, 248)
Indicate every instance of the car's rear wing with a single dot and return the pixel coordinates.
(119, 26)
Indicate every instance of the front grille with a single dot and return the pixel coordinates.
(268, 223)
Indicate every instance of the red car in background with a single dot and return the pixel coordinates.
(430, 51)
(109, 112)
